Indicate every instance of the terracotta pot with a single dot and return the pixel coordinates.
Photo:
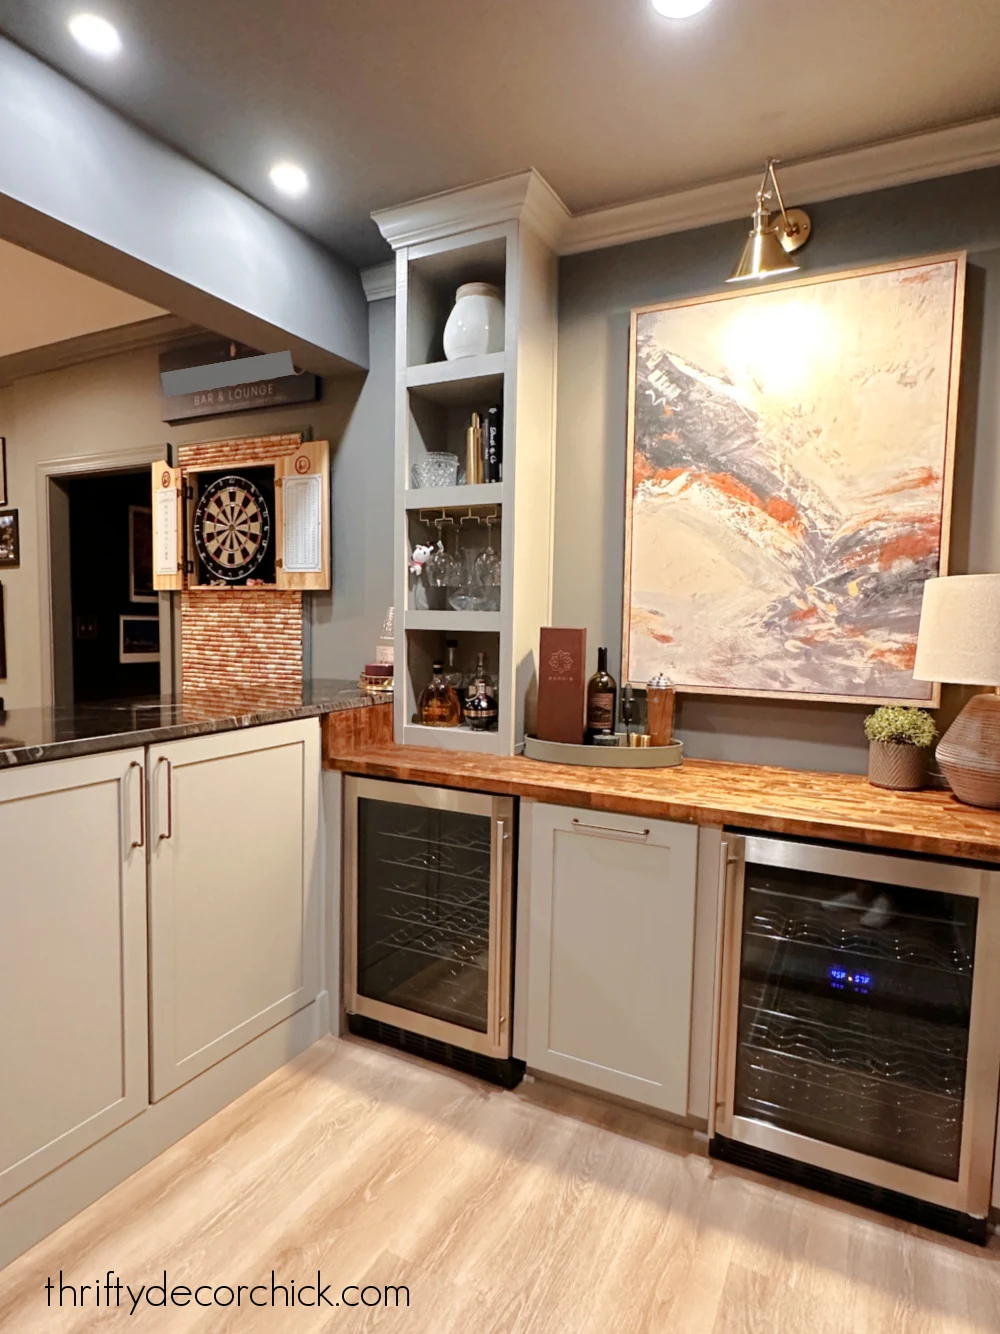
(896, 765)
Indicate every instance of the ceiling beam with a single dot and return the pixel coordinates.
(83, 186)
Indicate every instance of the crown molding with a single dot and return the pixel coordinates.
(379, 281)
(529, 197)
(154, 332)
(525, 197)
(918, 157)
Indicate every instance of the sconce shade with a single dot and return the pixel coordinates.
(763, 256)
(770, 243)
(959, 640)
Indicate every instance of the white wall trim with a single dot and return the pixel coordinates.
(154, 332)
(379, 281)
(527, 195)
(123, 461)
(919, 157)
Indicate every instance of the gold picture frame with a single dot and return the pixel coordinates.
(887, 293)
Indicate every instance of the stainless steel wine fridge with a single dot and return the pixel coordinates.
(859, 1045)
(429, 929)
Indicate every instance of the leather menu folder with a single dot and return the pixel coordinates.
(562, 685)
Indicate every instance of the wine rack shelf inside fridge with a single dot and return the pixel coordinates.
(853, 1031)
(424, 927)
(429, 912)
(858, 1030)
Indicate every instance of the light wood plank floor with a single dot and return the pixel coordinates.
(536, 1211)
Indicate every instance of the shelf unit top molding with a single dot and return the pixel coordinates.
(526, 197)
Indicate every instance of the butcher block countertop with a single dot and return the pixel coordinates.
(840, 807)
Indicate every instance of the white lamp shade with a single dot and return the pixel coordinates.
(959, 637)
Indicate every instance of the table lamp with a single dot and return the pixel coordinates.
(959, 642)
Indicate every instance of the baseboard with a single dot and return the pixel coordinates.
(56, 1198)
(694, 1126)
(323, 1012)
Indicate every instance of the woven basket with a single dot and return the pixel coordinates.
(896, 765)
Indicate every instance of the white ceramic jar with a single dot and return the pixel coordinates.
(475, 325)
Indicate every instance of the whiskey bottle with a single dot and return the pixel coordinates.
(439, 706)
(602, 698)
(480, 709)
(456, 679)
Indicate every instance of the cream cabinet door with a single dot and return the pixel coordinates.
(234, 892)
(611, 949)
(73, 1056)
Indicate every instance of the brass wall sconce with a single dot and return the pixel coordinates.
(771, 243)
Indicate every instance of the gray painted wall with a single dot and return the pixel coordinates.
(597, 292)
(347, 621)
(112, 406)
(82, 185)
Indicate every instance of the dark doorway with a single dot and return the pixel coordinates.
(114, 612)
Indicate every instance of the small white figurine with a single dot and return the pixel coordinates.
(420, 555)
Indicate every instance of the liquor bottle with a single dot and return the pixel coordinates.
(602, 697)
(483, 675)
(439, 706)
(474, 451)
(480, 709)
(456, 679)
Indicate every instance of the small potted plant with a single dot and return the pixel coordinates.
(899, 741)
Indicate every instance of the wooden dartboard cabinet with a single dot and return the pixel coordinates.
(244, 523)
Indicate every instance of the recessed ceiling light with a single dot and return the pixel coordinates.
(95, 34)
(289, 178)
(680, 9)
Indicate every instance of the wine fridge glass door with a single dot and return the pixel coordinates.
(431, 917)
(855, 1003)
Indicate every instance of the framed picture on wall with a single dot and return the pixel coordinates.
(138, 639)
(3, 470)
(10, 539)
(789, 483)
(140, 554)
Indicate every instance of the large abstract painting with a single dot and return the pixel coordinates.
(789, 484)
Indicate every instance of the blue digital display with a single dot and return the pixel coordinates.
(841, 979)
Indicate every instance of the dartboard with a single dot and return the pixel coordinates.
(232, 528)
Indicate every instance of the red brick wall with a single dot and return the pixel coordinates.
(246, 449)
(235, 640)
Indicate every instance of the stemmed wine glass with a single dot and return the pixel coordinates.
(443, 569)
(488, 568)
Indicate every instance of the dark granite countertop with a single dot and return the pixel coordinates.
(28, 736)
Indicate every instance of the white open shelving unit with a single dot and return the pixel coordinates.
(501, 232)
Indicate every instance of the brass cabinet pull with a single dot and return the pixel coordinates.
(170, 798)
(141, 841)
(496, 915)
(610, 832)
